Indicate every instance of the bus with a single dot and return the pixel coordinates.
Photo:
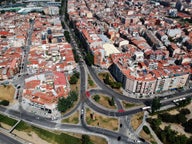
(146, 108)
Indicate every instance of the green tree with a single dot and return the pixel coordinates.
(155, 104)
(4, 102)
(73, 96)
(146, 130)
(96, 98)
(189, 141)
(76, 56)
(73, 79)
(184, 102)
(85, 139)
(106, 79)
(111, 101)
(89, 59)
(116, 85)
(76, 74)
(185, 111)
(63, 104)
(68, 39)
(66, 103)
(180, 118)
(188, 126)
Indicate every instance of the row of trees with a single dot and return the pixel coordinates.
(184, 102)
(67, 36)
(76, 56)
(74, 78)
(156, 105)
(65, 103)
(89, 59)
(179, 118)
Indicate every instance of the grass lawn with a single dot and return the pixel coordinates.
(94, 139)
(128, 105)
(73, 119)
(104, 101)
(7, 120)
(136, 120)
(57, 137)
(101, 121)
(91, 83)
(51, 137)
(148, 137)
(7, 92)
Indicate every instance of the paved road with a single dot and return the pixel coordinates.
(5, 139)
(44, 122)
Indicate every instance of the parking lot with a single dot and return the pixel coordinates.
(40, 112)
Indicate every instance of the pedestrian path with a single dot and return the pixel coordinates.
(10, 131)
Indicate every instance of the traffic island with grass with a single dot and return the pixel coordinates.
(91, 83)
(97, 120)
(128, 105)
(146, 135)
(105, 101)
(34, 134)
(136, 120)
(73, 119)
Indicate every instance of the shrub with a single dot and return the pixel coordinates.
(185, 111)
(96, 98)
(4, 102)
(146, 130)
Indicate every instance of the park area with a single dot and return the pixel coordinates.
(173, 125)
(7, 92)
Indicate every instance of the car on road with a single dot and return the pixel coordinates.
(121, 111)
(82, 111)
(18, 86)
(119, 138)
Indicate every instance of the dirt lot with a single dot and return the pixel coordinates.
(7, 92)
(148, 137)
(5, 126)
(136, 120)
(31, 137)
(75, 87)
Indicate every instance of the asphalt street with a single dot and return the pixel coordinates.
(84, 101)
(6, 139)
